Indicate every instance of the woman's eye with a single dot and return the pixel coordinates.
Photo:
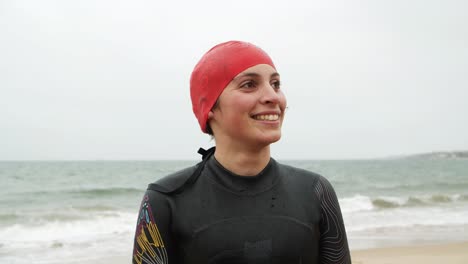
(249, 84)
(276, 84)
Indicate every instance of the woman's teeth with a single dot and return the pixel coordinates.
(266, 117)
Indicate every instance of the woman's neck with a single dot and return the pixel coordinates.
(243, 162)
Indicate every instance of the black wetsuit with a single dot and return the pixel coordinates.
(282, 215)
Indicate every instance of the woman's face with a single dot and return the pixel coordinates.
(251, 108)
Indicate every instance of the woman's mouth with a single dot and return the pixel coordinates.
(272, 117)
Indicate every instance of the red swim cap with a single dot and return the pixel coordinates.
(216, 69)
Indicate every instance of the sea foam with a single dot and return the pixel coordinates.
(55, 240)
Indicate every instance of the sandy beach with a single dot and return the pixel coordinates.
(447, 253)
(452, 253)
(456, 253)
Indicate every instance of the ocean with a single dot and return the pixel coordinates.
(84, 211)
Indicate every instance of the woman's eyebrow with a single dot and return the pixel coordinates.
(254, 74)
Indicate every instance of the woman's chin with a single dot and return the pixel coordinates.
(270, 138)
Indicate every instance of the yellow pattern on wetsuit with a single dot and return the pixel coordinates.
(149, 243)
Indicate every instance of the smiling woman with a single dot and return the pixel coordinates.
(249, 114)
(239, 205)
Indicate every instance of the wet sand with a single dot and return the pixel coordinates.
(451, 253)
(456, 253)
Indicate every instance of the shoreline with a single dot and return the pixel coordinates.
(447, 253)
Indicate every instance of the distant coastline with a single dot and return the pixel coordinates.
(440, 155)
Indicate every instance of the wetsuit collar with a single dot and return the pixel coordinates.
(243, 185)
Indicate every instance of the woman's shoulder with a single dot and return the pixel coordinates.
(296, 173)
(173, 181)
(302, 179)
(299, 178)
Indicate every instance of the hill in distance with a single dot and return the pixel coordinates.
(441, 155)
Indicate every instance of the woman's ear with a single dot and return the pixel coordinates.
(210, 115)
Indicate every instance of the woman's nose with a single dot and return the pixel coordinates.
(270, 95)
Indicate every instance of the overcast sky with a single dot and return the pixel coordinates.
(110, 79)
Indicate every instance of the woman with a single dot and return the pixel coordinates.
(239, 205)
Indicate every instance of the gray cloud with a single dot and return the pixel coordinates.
(109, 79)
